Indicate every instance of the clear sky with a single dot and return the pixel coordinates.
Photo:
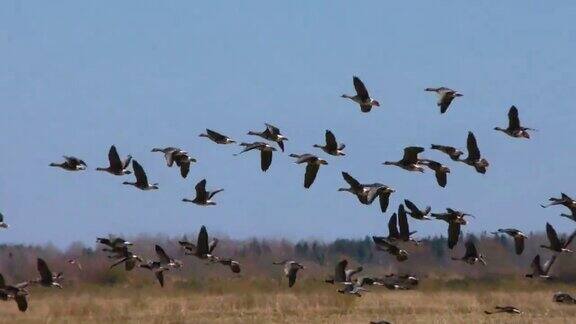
(76, 77)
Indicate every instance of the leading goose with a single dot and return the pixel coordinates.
(265, 153)
(514, 128)
(474, 157)
(116, 167)
(557, 244)
(362, 97)
(141, 178)
(271, 133)
(217, 137)
(517, 235)
(471, 256)
(313, 164)
(291, 269)
(332, 147)
(71, 163)
(203, 197)
(409, 161)
(445, 97)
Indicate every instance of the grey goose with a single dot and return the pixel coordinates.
(398, 228)
(445, 97)
(265, 153)
(514, 128)
(455, 220)
(352, 288)
(157, 268)
(410, 160)
(557, 244)
(178, 156)
(564, 298)
(441, 171)
(362, 97)
(540, 271)
(474, 157)
(271, 133)
(291, 269)
(116, 166)
(565, 201)
(202, 249)
(383, 244)
(415, 212)
(367, 193)
(16, 292)
(47, 279)
(342, 274)
(517, 235)
(452, 152)
(217, 137)
(332, 147)
(471, 256)
(141, 178)
(313, 164)
(203, 197)
(165, 260)
(70, 163)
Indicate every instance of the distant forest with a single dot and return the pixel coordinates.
(431, 259)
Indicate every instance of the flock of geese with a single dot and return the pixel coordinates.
(399, 234)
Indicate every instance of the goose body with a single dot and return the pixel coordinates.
(157, 268)
(217, 137)
(504, 309)
(367, 193)
(539, 271)
(70, 163)
(445, 97)
(342, 274)
(441, 171)
(47, 279)
(291, 269)
(362, 97)
(116, 166)
(455, 220)
(409, 161)
(271, 133)
(202, 249)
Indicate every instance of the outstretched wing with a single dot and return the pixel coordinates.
(331, 143)
(141, 177)
(215, 135)
(361, 90)
(351, 181)
(552, 237)
(453, 234)
(201, 193)
(44, 271)
(265, 159)
(340, 271)
(393, 227)
(162, 256)
(513, 120)
(472, 145)
(411, 154)
(310, 176)
(114, 159)
(202, 244)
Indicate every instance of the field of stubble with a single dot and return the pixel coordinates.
(233, 302)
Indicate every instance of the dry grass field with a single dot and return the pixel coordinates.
(308, 302)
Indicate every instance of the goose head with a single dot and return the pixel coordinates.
(322, 161)
(375, 103)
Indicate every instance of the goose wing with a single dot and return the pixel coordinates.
(513, 120)
(141, 177)
(403, 223)
(201, 193)
(519, 244)
(393, 227)
(471, 251)
(310, 176)
(441, 178)
(21, 302)
(445, 99)
(162, 256)
(361, 90)
(45, 273)
(472, 145)
(340, 271)
(292, 276)
(453, 234)
(384, 199)
(553, 237)
(351, 181)
(411, 154)
(160, 276)
(331, 143)
(212, 245)
(272, 129)
(202, 247)
(536, 266)
(114, 159)
(215, 135)
(265, 159)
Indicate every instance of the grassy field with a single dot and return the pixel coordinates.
(236, 301)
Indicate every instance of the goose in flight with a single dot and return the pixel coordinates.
(313, 164)
(202, 249)
(271, 133)
(114, 246)
(455, 220)
(415, 212)
(47, 279)
(367, 193)
(445, 97)
(517, 235)
(2, 223)
(116, 166)
(141, 178)
(441, 171)
(233, 265)
(362, 97)
(217, 137)
(180, 157)
(471, 256)
(409, 161)
(332, 147)
(203, 197)
(342, 274)
(128, 258)
(383, 244)
(565, 201)
(452, 152)
(70, 163)
(157, 268)
(514, 129)
(16, 292)
(265, 153)
(557, 244)
(290, 270)
(539, 271)
(504, 309)
(165, 259)
(75, 262)
(398, 228)
(474, 157)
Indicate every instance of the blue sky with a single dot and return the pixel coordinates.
(78, 77)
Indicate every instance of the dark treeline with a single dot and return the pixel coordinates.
(431, 259)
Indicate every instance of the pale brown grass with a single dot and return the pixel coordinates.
(273, 303)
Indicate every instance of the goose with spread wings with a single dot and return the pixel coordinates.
(203, 197)
(514, 128)
(445, 97)
(332, 147)
(265, 153)
(271, 133)
(141, 178)
(362, 96)
(116, 166)
(313, 164)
